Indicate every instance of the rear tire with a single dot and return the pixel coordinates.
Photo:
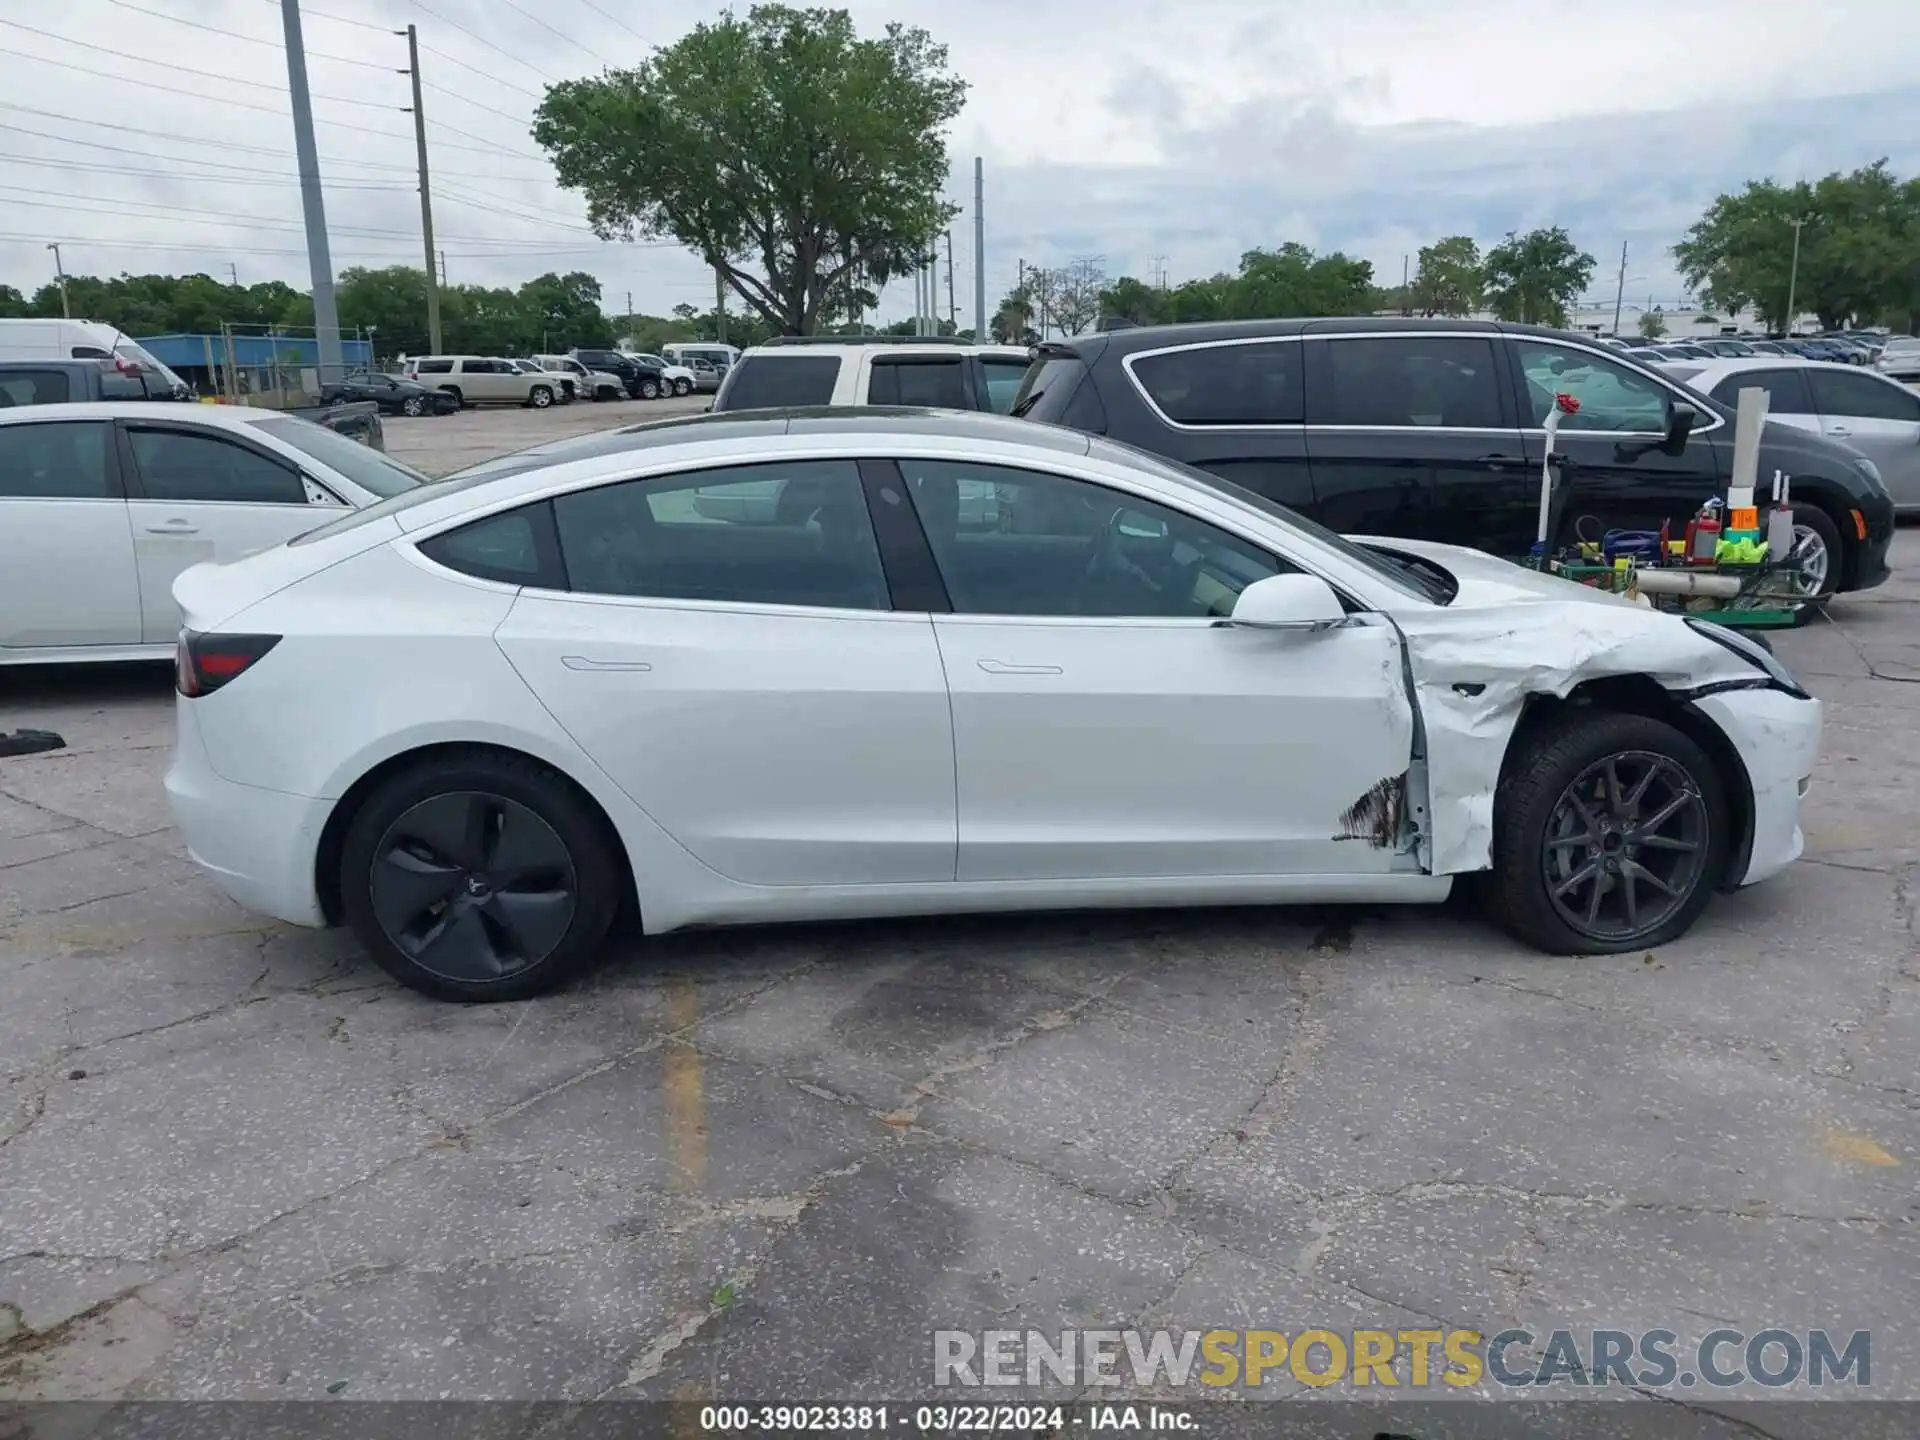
(1556, 819)
(479, 877)
(649, 390)
(540, 397)
(459, 400)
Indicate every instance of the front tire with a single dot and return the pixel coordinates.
(413, 405)
(1818, 551)
(459, 400)
(1611, 834)
(683, 388)
(478, 877)
(540, 397)
(649, 390)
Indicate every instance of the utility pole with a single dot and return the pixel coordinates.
(920, 301)
(1793, 276)
(979, 253)
(426, 197)
(1620, 291)
(443, 269)
(1406, 288)
(61, 272)
(1160, 271)
(234, 270)
(326, 317)
(953, 315)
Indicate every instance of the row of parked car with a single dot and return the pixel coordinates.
(441, 384)
(1842, 347)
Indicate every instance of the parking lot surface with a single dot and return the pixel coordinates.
(441, 444)
(238, 1162)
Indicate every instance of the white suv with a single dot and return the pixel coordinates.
(837, 370)
(674, 378)
(484, 380)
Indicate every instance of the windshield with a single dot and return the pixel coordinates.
(132, 351)
(372, 470)
(1402, 575)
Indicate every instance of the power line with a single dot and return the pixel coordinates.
(495, 79)
(89, 167)
(468, 100)
(481, 39)
(172, 68)
(236, 35)
(237, 169)
(337, 19)
(618, 21)
(591, 55)
(200, 95)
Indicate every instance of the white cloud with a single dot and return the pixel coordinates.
(1126, 128)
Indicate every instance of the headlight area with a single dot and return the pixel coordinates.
(1748, 649)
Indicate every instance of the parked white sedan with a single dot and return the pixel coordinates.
(103, 505)
(468, 720)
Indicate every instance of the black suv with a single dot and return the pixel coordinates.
(641, 377)
(1432, 429)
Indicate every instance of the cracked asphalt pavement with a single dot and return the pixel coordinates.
(237, 1162)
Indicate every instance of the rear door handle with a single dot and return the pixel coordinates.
(173, 527)
(583, 662)
(1838, 430)
(1000, 667)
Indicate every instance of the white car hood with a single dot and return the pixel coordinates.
(1508, 635)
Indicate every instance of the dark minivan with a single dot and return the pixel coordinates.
(1432, 429)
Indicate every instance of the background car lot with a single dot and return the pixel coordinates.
(239, 1161)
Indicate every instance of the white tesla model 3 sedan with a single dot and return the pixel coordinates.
(781, 665)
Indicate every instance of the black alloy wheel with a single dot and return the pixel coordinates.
(478, 876)
(1625, 846)
(1610, 833)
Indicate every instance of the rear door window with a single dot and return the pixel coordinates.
(1398, 381)
(937, 384)
(34, 387)
(1861, 397)
(178, 465)
(434, 367)
(66, 460)
(1786, 390)
(1235, 385)
(762, 382)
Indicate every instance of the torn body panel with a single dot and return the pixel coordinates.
(1475, 663)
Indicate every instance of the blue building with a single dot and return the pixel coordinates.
(262, 364)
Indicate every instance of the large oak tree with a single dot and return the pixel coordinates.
(790, 154)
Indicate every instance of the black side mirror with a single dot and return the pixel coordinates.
(1681, 418)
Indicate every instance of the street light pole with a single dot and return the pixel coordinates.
(1620, 291)
(326, 316)
(61, 271)
(426, 197)
(1793, 274)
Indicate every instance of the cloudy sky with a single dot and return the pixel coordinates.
(152, 135)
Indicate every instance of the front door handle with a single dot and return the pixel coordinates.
(1001, 667)
(1840, 430)
(174, 527)
(583, 662)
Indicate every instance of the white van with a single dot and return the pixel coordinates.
(81, 340)
(723, 357)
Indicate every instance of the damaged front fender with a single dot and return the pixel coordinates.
(1474, 669)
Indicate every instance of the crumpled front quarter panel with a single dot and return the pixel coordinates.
(1473, 670)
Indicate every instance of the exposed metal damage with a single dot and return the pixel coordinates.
(1377, 816)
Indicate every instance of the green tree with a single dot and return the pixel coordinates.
(1292, 280)
(1534, 277)
(1449, 280)
(392, 302)
(1859, 244)
(1012, 322)
(1135, 300)
(1652, 325)
(562, 310)
(13, 305)
(783, 149)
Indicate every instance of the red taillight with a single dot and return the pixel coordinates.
(203, 663)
